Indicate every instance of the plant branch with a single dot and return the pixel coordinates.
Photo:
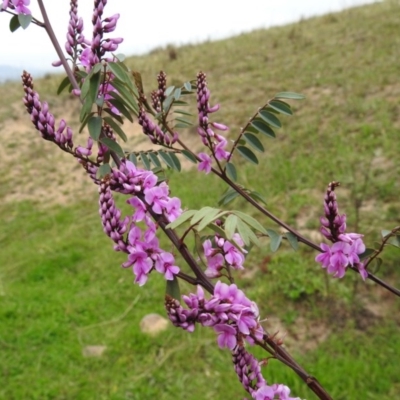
(54, 41)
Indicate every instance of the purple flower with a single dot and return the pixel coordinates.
(157, 198)
(233, 256)
(342, 254)
(226, 336)
(346, 247)
(205, 164)
(18, 5)
(142, 266)
(215, 260)
(173, 208)
(264, 393)
(165, 265)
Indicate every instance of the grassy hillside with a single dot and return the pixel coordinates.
(61, 287)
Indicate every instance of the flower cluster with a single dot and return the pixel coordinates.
(141, 245)
(234, 318)
(75, 36)
(232, 315)
(95, 49)
(215, 142)
(346, 247)
(248, 370)
(158, 96)
(225, 255)
(42, 119)
(19, 6)
(153, 131)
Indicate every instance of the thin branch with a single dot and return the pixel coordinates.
(54, 41)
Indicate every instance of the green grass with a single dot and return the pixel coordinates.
(62, 287)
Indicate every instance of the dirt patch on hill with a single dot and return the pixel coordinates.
(37, 170)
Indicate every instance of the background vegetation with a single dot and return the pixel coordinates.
(61, 286)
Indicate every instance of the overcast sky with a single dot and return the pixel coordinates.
(148, 24)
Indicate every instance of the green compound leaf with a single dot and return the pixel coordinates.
(250, 221)
(181, 219)
(177, 93)
(132, 157)
(114, 146)
(14, 23)
(190, 156)
(290, 95)
(394, 241)
(167, 103)
(169, 91)
(254, 142)
(231, 171)
(116, 128)
(64, 83)
(183, 112)
(275, 239)
(247, 234)
(367, 253)
(227, 197)
(129, 99)
(183, 123)
(175, 161)
(145, 160)
(200, 214)
(292, 239)
(154, 159)
(166, 158)
(188, 86)
(281, 107)
(210, 218)
(94, 126)
(230, 226)
(251, 129)
(112, 114)
(24, 20)
(218, 230)
(119, 71)
(262, 127)
(257, 196)
(270, 118)
(246, 153)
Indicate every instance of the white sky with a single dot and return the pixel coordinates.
(148, 24)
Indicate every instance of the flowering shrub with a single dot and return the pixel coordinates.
(109, 93)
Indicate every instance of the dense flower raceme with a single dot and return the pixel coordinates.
(75, 36)
(141, 245)
(95, 50)
(248, 369)
(42, 119)
(153, 131)
(215, 142)
(142, 248)
(91, 52)
(234, 318)
(19, 6)
(158, 96)
(346, 247)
